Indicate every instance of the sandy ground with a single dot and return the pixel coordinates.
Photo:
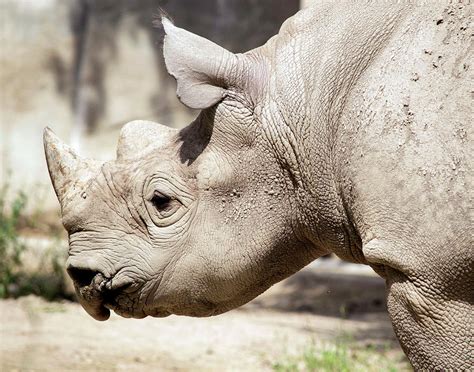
(57, 336)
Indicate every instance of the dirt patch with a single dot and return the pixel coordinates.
(38, 335)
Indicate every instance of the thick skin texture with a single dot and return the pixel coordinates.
(348, 132)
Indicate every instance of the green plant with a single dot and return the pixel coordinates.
(23, 270)
(326, 360)
(47, 279)
(11, 248)
(342, 356)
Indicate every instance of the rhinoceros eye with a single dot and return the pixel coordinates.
(161, 202)
(165, 202)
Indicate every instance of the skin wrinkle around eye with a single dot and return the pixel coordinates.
(168, 237)
(165, 206)
(175, 190)
(140, 223)
(162, 184)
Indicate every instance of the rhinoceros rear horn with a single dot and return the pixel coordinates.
(203, 70)
(139, 136)
(69, 173)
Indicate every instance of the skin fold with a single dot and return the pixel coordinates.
(348, 132)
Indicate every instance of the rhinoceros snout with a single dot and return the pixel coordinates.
(99, 294)
(89, 286)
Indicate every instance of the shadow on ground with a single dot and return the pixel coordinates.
(327, 293)
(360, 298)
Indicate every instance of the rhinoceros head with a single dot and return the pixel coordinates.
(192, 222)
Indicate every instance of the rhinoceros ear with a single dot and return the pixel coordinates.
(140, 136)
(201, 68)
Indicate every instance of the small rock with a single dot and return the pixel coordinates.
(436, 61)
(415, 77)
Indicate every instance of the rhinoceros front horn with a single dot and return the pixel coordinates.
(69, 173)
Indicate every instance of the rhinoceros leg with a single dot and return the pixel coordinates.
(431, 309)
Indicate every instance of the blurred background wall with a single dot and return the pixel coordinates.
(86, 67)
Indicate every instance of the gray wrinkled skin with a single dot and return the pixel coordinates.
(348, 132)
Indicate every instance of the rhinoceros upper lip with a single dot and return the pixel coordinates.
(115, 284)
(112, 288)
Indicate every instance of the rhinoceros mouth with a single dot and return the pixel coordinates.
(122, 296)
(92, 302)
(103, 294)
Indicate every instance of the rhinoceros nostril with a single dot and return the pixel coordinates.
(82, 277)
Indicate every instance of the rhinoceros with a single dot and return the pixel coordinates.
(347, 132)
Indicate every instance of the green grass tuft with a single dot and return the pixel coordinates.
(343, 356)
(11, 249)
(16, 279)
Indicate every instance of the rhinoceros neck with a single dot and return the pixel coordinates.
(315, 61)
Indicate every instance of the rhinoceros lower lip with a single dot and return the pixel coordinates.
(90, 297)
(118, 295)
(125, 312)
(101, 313)
(95, 307)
